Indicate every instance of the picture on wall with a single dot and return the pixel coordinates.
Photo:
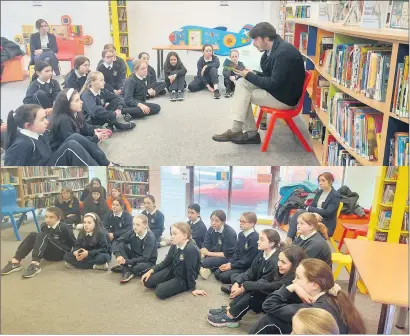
(220, 36)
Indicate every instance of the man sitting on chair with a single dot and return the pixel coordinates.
(279, 85)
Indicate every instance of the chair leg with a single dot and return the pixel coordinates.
(268, 134)
(258, 121)
(333, 243)
(342, 239)
(35, 220)
(337, 271)
(299, 135)
(255, 110)
(15, 228)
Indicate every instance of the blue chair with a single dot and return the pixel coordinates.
(9, 207)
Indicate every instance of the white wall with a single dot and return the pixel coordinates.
(100, 172)
(151, 22)
(362, 180)
(92, 15)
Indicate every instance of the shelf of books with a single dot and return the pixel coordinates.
(119, 25)
(389, 220)
(358, 105)
(133, 181)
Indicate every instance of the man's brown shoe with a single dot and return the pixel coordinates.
(226, 136)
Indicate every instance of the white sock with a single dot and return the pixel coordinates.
(216, 86)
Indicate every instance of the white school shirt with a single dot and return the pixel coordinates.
(322, 199)
(44, 41)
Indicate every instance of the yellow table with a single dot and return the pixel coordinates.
(384, 269)
(160, 54)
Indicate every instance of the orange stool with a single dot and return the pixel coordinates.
(287, 116)
(357, 229)
(13, 70)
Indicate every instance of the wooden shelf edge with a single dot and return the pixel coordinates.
(135, 182)
(316, 145)
(403, 119)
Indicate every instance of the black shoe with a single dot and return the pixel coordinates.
(263, 126)
(226, 289)
(180, 96)
(227, 93)
(173, 96)
(126, 126)
(217, 95)
(10, 268)
(244, 139)
(126, 277)
(31, 271)
(116, 268)
(232, 93)
(217, 311)
(226, 136)
(127, 117)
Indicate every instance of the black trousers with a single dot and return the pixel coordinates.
(159, 88)
(127, 253)
(213, 262)
(136, 112)
(240, 305)
(111, 121)
(166, 284)
(225, 277)
(179, 83)
(268, 324)
(89, 262)
(72, 220)
(42, 245)
(230, 86)
(43, 99)
(211, 77)
(51, 58)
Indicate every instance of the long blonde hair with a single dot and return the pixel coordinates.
(316, 321)
(91, 77)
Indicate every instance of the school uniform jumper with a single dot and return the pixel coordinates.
(126, 203)
(32, 149)
(179, 84)
(224, 241)
(71, 207)
(51, 243)
(328, 211)
(177, 273)
(50, 49)
(96, 208)
(152, 83)
(156, 223)
(113, 76)
(282, 305)
(73, 80)
(140, 252)
(198, 230)
(117, 225)
(245, 253)
(135, 93)
(121, 67)
(210, 76)
(229, 85)
(86, 192)
(66, 127)
(98, 250)
(315, 246)
(42, 93)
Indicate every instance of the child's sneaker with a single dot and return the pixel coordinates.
(217, 94)
(31, 271)
(217, 311)
(10, 268)
(127, 117)
(116, 268)
(68, 265)
(180, 96)
(205, 273)
(222, 320)
(126, 277)
(173, 96)
(227, 93)
(103, 267)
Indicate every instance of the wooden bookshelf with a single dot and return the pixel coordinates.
(134, 179)
(118, 14)
(316, 30)
(398, 208)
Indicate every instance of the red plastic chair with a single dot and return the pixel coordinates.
(357, 229)
(68, 49)
(287, 116)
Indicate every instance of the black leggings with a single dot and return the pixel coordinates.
(240, 305)
(199, 83)
(166, 284)
(230, 86)
(125, 252)
(136, 112)
(89, 262)
(179, 83)
(268, 324)
(159, 88)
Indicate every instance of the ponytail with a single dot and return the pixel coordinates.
(322, 229)
(91, 77)
(11, 129)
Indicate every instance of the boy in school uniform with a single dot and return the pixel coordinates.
(51, 243)
(198, 227)
(113, 75)
(231, 77)
(117, 60)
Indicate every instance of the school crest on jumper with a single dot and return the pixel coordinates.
(153, 220)
(246, 246)
(219, 241)
(181, 257)
(102, 101)
(115, 73)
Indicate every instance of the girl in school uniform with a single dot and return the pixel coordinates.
(102, 106)
(313, 238)
(135, 95)
(116, 193)
(95, 202)
(198, 227)
(114, 79)
(135, 251)
(207, 75)
(156, 219)
(51, 243)
(230, 77)
(314, 321)
(69, 205)
(118, 220)
(67, 119)
(155, 87)
(179, 270)
(43, 89)
(76, 78)
(29, 142)
(91, 249)
(219, 244)
(94, 183)
(265, 276)
(245, 251)
(175, 76)
(118, 63)
(314, 287)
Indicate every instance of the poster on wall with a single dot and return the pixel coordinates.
(194, 38)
